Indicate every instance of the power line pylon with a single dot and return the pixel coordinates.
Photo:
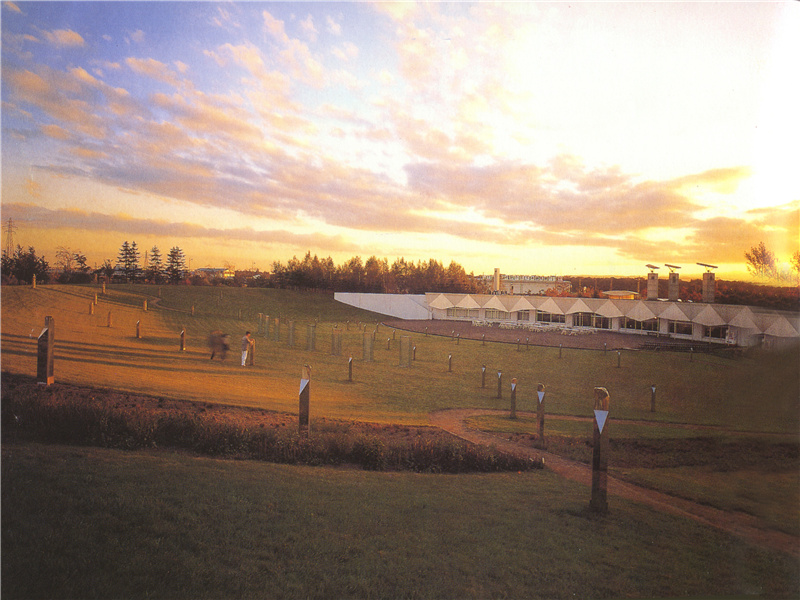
(10, 228)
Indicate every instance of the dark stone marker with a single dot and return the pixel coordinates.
(311, 337)
(653, 398)
(405, 351)
(499, 385)
(514, 398)
(540, 413)
(599, 501)
(305, 395)
(367, 346)
(44, 353)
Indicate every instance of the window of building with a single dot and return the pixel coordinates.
(546, 317)
(719, 332)
(648, 325)
(523, 315)
(462, 313)
(494, 314)
(680, 327)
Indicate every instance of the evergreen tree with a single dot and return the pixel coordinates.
(155, 267)
(176, 265)
(128, 260)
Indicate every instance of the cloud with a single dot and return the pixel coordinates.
(332, 26)
(348, 51)
(137, 36)
(64, 38)
(12, 7)
(307, 26)
(154, 69)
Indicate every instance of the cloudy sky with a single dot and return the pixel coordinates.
(540, 138)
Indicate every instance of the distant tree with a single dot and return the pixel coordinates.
(176, 265)
(794, 265)
(154, 269)
(128, 260)
(64, 259)
(106, 269)
(760, 261)
(22, 265)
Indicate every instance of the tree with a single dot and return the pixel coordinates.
(21, 266)
(128, 260)
(794, 263)
(176, 265)
(64, 259)
(154, 270)
(760, 261)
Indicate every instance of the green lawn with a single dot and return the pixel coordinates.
(93, 523)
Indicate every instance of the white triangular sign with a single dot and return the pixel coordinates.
(303, 384)
(541, 396)
(513, 386)
(600, 416)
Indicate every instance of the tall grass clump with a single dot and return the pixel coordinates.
(65, 415)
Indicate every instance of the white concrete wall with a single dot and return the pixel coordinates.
(401, 306)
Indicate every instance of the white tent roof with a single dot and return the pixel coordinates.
(550, 306)
(709, 317)
(640, 312)
(781, 327)
(579, 307)
(441, 301)
(674, 313)
(494, 302)
(608, 309)
(744, 319)
(467, 302)
(521, 303)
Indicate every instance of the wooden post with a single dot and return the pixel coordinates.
(251, 353)
(483, 376)
(458, 339)
(517, 344)
(91, 308)
(653, 398)
(305, 400)
(483, 339)
(144, 305)
(367, 346)
(350, 369)
(540, 413)
(559, 351)
(45, 373)
(619, 358)
(138, 331)
(514, 398)
(449, 363)
(499, 385)
(599, 501)
(33, 284)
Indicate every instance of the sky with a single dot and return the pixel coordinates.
(540, 138)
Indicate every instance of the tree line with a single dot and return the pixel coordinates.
(374, 275)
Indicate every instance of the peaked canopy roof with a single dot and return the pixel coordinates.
(709, 317)
(441, 302)
(640, 312)
(467, 302)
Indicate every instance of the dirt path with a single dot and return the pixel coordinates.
(736, 523)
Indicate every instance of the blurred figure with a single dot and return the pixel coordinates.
(218, 342)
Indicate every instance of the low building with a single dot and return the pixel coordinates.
(526, 284)
(215, 272)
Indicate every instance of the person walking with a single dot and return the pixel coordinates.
(246, 344)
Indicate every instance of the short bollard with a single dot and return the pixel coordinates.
(305, 397)
(483, 376)
(449, 363)
(144, 305)
(499, 385)
(559, 351)
(540, 413)
(45, 372)
(109, 321)
(514, 398)
(458, 339)
(183, 340)
(33, 283)
(91, 308)
(599, 501)
(653, 398)
(517, 344)
(138, 330)
(251, 353)
(619, 358)
(350, 369)
(483, 339)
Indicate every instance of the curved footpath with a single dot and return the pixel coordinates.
(736, 523)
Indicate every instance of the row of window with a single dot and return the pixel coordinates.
(587, 320)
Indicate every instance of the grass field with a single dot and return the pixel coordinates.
(320, 533)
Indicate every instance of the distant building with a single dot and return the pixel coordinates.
(526, 284)
(214, 272)
(620, 294)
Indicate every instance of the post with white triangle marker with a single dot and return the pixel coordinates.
(305, 394)
(540, 413)
(514, 398)
(599, 501)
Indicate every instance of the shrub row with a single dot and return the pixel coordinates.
(82, 420)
